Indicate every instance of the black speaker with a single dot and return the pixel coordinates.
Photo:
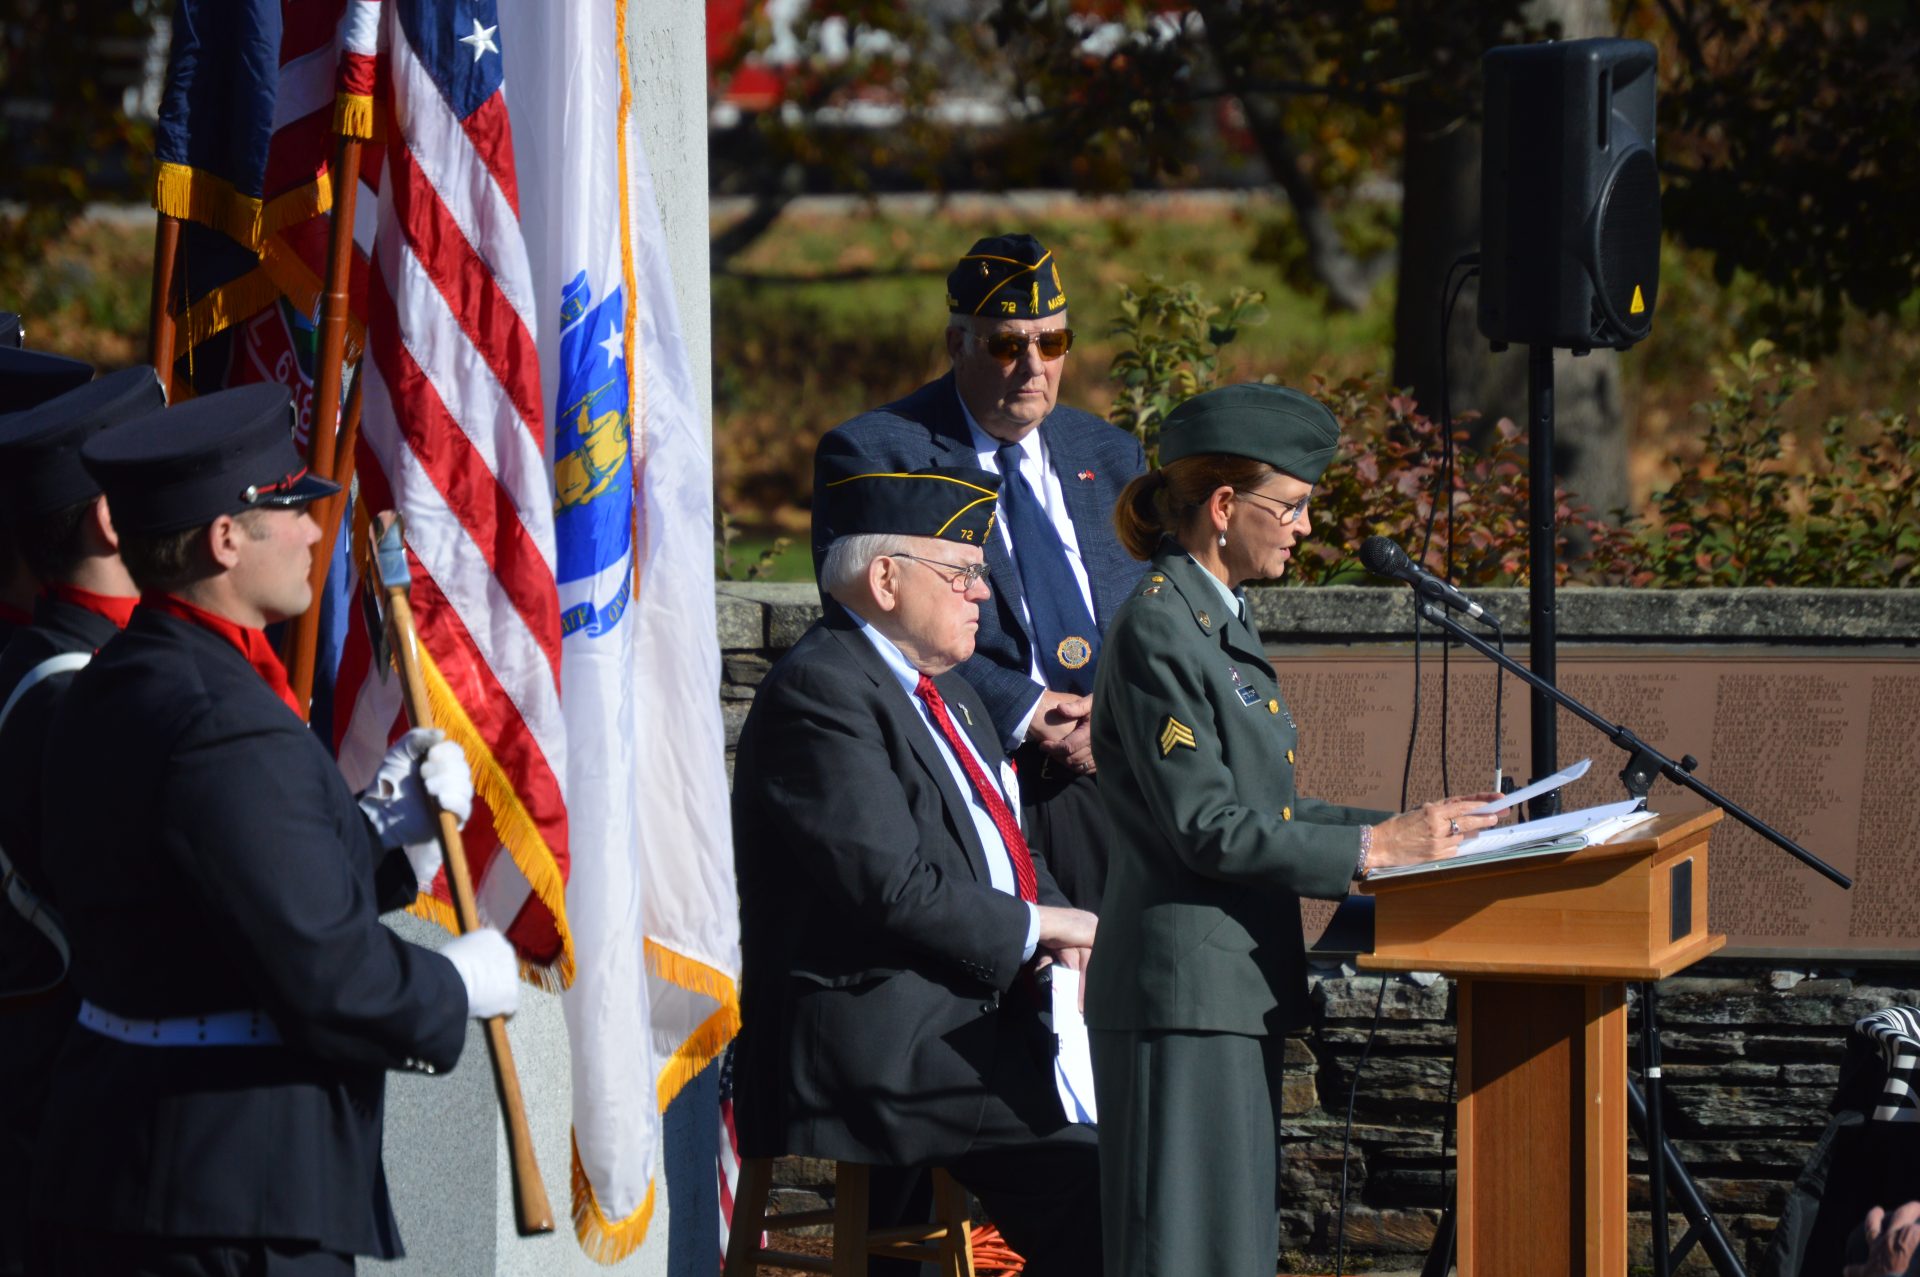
(1569, 194)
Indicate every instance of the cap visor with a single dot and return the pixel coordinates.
(309, 488)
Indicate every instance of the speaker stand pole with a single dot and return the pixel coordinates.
(1541, 569)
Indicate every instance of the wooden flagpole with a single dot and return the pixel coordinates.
(160, 321)
(303, 632)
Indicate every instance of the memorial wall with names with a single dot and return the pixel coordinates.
(1822, 744)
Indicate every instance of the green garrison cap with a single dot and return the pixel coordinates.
(1290, 431)
(1006, 277)
(954, 503)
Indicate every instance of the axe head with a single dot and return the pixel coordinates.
(390, 550)
(376, 617)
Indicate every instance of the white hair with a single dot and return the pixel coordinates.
(849, 557)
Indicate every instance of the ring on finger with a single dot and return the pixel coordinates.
(1453, 828)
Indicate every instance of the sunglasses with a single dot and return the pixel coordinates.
(1010, 347)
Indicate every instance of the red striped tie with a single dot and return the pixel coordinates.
(989, 793)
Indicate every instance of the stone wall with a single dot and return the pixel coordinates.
(1751, 1048)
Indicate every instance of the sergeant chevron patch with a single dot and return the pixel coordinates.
(1175, 733)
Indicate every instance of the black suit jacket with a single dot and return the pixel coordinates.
(210, 858)
(875, 951)
(1094, 460)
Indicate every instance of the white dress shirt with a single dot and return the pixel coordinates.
(999, 859)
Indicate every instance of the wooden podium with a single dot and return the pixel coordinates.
(1542, 949)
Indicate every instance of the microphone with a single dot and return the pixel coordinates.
(1382, 556)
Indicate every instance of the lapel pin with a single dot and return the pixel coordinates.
(1086, 476)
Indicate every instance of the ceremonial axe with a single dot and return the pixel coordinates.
(532, 1212)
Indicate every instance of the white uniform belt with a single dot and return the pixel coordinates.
(220, 1028)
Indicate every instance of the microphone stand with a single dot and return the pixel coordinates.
(1645, 764)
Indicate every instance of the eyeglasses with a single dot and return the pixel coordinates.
(1292, 510)
(961, 576)
(1009, 347)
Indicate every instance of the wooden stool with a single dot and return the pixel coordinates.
(946, 1242)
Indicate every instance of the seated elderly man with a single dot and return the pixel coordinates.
(890, 906)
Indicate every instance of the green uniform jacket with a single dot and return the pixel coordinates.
(1200, 925)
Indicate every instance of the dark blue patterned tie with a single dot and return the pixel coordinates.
(1063, 629)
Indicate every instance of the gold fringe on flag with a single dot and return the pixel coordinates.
(194, 195)
(221, 308)
(604, 1240)
(353, 115)
(519, 836)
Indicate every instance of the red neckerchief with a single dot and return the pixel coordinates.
(117, 608)
(249, 642)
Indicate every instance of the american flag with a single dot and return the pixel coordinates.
(452, 437)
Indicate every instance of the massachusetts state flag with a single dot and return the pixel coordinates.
(650, 899)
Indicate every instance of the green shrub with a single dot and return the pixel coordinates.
(1170, 342)
(1770, 504)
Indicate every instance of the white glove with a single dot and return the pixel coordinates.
(422, 764)
(488, 968)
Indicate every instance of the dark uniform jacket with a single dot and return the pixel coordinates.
(58, 627)
(33, 1030)
(875, 950)
(209, 858)
(1094, 460)
(1200, 929)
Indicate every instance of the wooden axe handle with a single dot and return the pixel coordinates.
(532, 1212)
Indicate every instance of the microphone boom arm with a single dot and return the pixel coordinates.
(1644, 763)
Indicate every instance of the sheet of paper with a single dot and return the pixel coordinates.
(1567, 822)
(1601, 828)
(1073, 1066)
(1564, 776)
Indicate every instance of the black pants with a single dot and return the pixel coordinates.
(1067, 824)
(1036, 1174)
(75, 1254)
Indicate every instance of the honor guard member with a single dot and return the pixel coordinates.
(1059, 574)
(28, 378)
(217, 1106)
(56, 515)
(1200, 971)
(890, 907)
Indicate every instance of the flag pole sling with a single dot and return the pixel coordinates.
(303, 632)
(531, 1209)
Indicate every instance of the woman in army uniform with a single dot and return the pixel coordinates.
(1199, 970)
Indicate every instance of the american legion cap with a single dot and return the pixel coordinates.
(1290, 431)
(28, 378)
(953, 503)
(222, 453)
(1006, 277)
(40, 468)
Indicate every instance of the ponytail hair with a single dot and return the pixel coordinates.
(1164, 501)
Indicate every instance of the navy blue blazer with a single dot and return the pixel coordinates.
(1094, 460)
